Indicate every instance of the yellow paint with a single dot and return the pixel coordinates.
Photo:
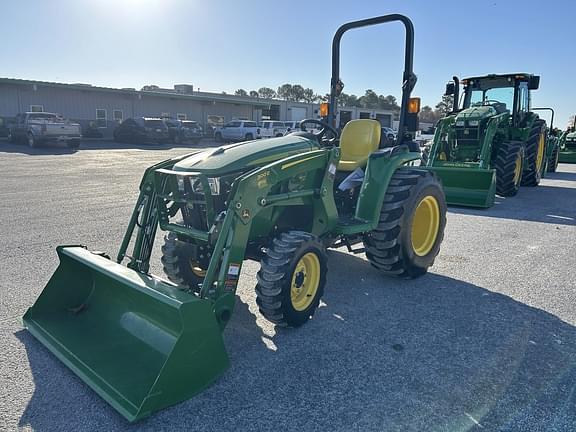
(425, 225)
(291, 164)
(540, 152)
(305, 281)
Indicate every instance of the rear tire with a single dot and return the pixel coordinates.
(411, 226)
(179, 264)
(218, 137)
(32, 143)
(509, 166)
(553, 161)
(291, 279)
(535, 154)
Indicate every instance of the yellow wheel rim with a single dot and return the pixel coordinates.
(517, 169)
(425, 225)
(305, 281)
(442, 156)
(196, 269)
(540, 154)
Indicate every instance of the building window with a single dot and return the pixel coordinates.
(101, 118)
(181, 116)
(118, 116)
(165, 115)
(36, 108)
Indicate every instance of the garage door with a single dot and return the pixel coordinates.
(298, 113)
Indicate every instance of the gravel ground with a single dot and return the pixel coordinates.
(486, 341)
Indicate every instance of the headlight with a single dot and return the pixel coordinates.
(473, 123)
(460, 123)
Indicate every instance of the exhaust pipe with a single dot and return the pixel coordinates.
(455, 108)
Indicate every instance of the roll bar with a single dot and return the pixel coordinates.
(408, 79)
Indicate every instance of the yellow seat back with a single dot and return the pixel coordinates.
(358, 140)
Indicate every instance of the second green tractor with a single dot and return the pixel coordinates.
(493, 144)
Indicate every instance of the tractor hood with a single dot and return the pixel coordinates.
(476, 113)
(238, 157)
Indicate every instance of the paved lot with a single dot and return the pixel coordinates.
(485, 341)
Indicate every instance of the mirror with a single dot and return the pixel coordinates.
(534, 82)
(450, 89)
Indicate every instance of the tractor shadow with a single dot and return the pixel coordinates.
(433, 353)
(551, 204)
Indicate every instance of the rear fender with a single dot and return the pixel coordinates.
(377, 177)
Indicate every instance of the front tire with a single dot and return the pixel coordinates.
(509, 165)
(291, 279)
(535, 154)
(218, 137)
(249, 137)
(32, 142)
(180, 265)
(411, 226)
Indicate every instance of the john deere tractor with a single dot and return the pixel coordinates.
(143, 343)
(567, 142)
(493, 144)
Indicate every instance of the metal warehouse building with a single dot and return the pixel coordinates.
(104, 108)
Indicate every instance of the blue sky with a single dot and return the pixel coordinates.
(225, 45)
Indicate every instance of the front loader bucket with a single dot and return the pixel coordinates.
(469, 187)
(140, 343)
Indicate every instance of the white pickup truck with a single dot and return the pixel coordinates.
(37, 128)
(272, 129)
(237, 130)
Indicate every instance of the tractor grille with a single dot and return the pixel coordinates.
(467, 133)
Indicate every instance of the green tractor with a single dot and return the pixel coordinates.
(493, 144)
(144, 343)
(567, 142)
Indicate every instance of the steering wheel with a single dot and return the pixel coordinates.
(487, 102)
(326, 135)
(491, 102)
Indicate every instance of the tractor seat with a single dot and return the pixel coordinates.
(358, 140)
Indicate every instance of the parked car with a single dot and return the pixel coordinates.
(191, 131)
(184, 131)
(389, 133)
(38, 128)
(291, 126)
(387, 137)
(272, 129)
(237, 130)
(91, 130)
(142, 130)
